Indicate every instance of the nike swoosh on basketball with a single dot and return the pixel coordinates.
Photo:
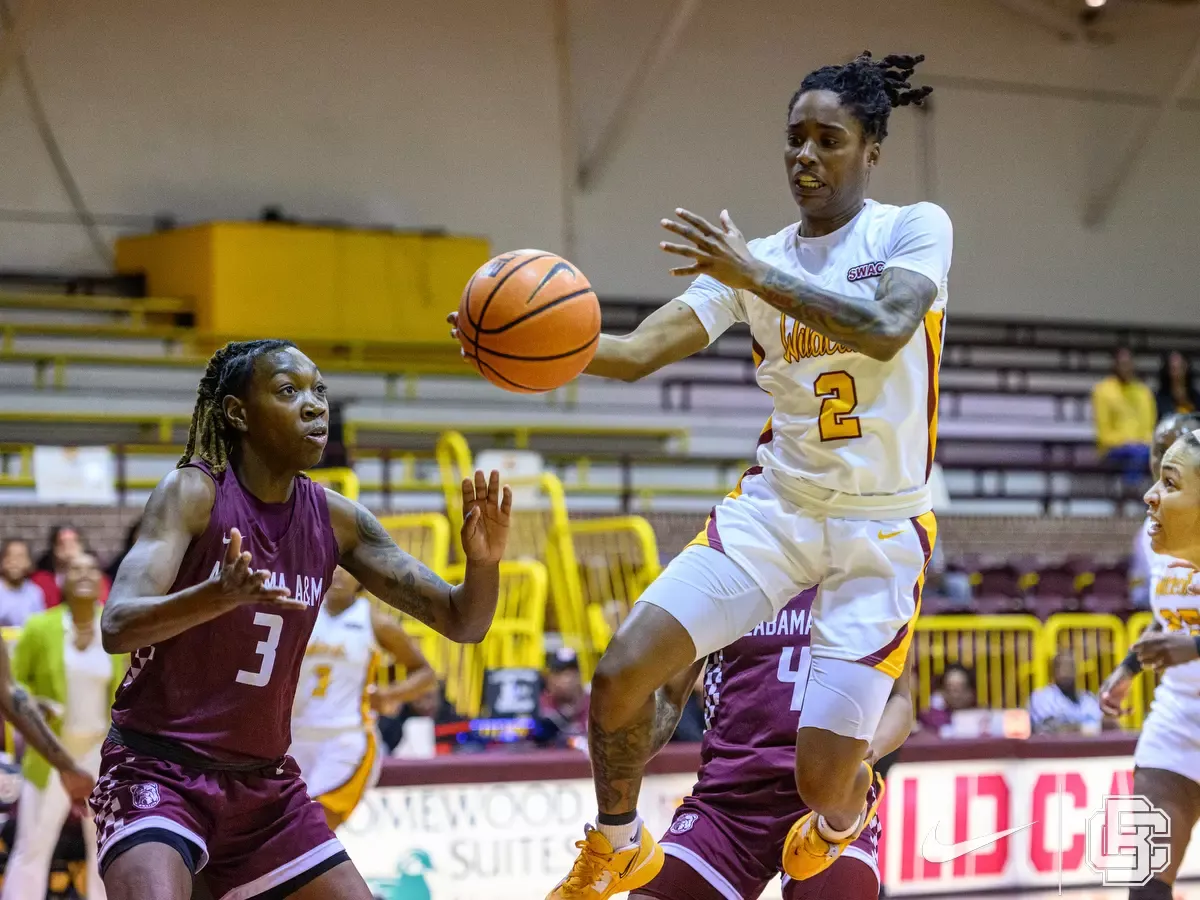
(883, 536)
(935, 851)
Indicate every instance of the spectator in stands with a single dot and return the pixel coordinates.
(1125, 413)
(60, 661)
(1176, 388)
(1061, 708)
(956, 691)
(430, 705)
(65, 544)
(20, 598)
(564, 701)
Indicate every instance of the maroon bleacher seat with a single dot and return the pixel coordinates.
(996, 605)
(1045, 605)
(1003, 579)
(1110, 604)
(1057, 581)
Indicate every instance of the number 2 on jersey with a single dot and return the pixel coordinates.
(840, 398)
(266, 649)
(797, 677)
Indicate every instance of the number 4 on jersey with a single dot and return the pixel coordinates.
(797, 677)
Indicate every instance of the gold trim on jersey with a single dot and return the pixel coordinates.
(933, 352)
(893, 663)
(341, 801)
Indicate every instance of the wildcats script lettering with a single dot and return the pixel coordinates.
(801, 342)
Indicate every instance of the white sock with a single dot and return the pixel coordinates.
(622, 836)
(824, 829)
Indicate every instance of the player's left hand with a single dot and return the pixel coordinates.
(1162, 650)
(720, 252)
(485, 518)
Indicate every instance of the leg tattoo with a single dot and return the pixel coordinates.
(619, 760)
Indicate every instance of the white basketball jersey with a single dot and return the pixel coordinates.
(338, 666)
(849, 433)
(1175, 610)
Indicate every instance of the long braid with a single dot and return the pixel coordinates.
(228, 372)
(871, 88)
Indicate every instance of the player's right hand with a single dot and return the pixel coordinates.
(239, 584)
(1114, 690)
(78, 784)
(453, 320)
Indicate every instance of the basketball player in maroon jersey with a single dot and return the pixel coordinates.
(727, 837)
(195, 774)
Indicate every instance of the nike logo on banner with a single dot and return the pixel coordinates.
(891, 534)
(935, 851)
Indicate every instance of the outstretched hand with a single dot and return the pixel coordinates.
(486, 511)
(721, 252)
(239, 584)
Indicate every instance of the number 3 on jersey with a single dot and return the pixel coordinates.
(266, 649)
(840, 398)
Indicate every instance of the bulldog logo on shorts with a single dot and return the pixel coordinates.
(145, 796)
(684, 823)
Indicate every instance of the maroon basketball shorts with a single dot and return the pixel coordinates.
(730, 848)
(252, 833)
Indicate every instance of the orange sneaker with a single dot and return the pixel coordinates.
(806, 853)
(600, 871)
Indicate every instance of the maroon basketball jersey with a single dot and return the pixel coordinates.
(224, 689)
(753, 690)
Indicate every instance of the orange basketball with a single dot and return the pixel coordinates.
(529, 321)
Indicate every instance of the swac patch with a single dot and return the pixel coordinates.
(866, 270)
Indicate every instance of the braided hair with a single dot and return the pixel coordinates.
(228, 372)
(870, 88)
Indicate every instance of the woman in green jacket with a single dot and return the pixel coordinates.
(60, 661)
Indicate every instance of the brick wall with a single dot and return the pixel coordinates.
(1107, 538)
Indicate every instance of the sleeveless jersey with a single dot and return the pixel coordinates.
(224, 689)
(848, 432)
(753, 690)
(1176, 610)
(339, 664)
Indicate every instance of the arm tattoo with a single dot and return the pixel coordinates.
(874, 326)
(395, 577)
(27, 720)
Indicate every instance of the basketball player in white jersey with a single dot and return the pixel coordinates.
(846, 311)
(333, 719)
(1167, 758)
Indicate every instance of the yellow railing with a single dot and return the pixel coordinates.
(1005, 652)
(596, 568)
(616, 559)
(1143, 687)
(1097, 643)
(516, 638)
